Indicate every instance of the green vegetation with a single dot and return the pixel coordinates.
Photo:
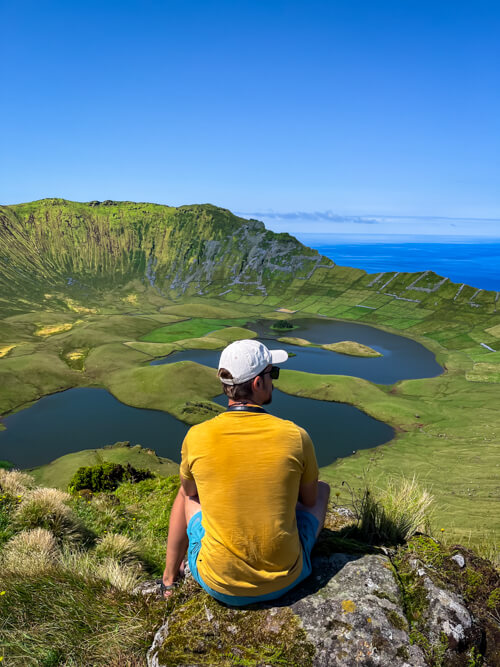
(67, 585)
(242, 637)
(293, 340)
(193, 328)
(351, 348)
(106, 477)
(183, 389)
(394, 514)
(70, 565)
(58, 473)
(282, 325)
(440, 425)
(476, 582)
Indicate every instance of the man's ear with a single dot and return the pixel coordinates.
(256, 382)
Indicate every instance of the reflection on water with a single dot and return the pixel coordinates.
(87, 418)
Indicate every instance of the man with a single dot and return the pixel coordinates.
(250, 506)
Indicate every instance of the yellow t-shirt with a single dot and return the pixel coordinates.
(248, 467)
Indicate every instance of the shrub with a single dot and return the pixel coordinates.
(15, 482)
(106, 477)
(282, 324)
(46, 508)
(30, 552)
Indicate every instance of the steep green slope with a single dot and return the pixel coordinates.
(56, 244)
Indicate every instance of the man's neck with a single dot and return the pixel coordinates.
(245, 402)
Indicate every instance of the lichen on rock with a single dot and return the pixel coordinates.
(410, 608)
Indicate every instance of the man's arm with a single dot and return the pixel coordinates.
(308, 493)
(189, 486)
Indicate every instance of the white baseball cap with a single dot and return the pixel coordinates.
(245, 359)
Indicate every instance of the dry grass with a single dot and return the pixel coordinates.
(53, 329)
(47, 508)
(15, 482)
(30, 552)
(119, 547)
(393, 514)
(83, 564)
(122, 577)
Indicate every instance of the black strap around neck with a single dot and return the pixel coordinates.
(245, 408)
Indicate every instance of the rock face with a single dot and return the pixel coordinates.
(357, 616)
(355, 609)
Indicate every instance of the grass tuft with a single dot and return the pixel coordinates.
(15, 482)
(118, 547)
(393, 514)
(47, 508)
(30, 552)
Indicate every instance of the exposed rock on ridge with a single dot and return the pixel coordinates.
(359, 609)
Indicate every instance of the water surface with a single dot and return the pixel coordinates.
(402, 358)
(85, 418)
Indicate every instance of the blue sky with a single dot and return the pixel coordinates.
(349, 117)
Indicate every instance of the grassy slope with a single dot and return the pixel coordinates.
(446, 437)
(59, 472)
(184, 389)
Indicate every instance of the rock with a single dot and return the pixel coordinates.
(357, 616)
(459, 560)
(411, 608)
(350, 611)
(150, 587)
(446, 614)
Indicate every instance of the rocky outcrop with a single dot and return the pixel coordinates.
(356, 609)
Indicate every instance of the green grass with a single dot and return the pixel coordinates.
(351, 348)
(58, 473)
(459, 424)
(65, 618)
(69, 600)
(193, 328)
(348, 347)
(183, 389)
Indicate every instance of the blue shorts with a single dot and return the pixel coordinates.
(307, 525)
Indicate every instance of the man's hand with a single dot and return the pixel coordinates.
(308, 493)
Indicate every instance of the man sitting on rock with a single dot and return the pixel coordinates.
(250, 506)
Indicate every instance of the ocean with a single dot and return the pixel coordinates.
(475, 263)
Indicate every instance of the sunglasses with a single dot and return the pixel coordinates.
(274, 372)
